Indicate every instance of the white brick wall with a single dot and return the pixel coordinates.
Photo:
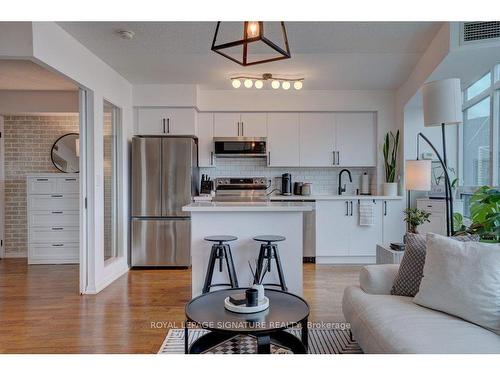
(28, 141)
(324, 180)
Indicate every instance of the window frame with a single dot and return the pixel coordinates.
(493, 92)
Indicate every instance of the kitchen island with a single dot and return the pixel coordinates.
(246, 220)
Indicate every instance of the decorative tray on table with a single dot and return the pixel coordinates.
(243, 309)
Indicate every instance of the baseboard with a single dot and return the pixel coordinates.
(346, 260)
(15, 255)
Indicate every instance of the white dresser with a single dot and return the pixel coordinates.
(53, 218)
(437, 208)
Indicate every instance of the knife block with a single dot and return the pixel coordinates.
(206, 187)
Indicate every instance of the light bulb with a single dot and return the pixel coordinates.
(259, 84)
(275, 84)
(236, 83)
(248, 83)
(297, 85)
(285, 85)
(253, 29)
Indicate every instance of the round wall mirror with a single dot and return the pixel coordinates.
(65, 153)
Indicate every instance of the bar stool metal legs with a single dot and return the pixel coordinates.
(221, 252)
(268, 252)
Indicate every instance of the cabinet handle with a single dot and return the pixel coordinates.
(338, 157)
(56, 196)
(57, 212)
(333, 153)
(70, 179)
(346, 208)
(168, 126)
(351, 208)
(57, 244)
(163, 120)
(42, 179)
(385, 208)
(238, 124)
(57, 228)
(242, 129)
(269, 158)
(211, 158)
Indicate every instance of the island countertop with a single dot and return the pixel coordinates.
(248, 207)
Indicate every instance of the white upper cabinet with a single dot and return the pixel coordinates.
(205, 140)
(317, 139)
(166, 121)
(253, 124)
(283, 139)
(356, 139)
(227, 125)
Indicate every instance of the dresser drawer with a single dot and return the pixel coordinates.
(54, 253)
(68, 185)
(54, 202)
(41, 185)
(54, 218)
(55, 234)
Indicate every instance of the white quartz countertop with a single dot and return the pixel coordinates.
(247, 206)
(332, 197)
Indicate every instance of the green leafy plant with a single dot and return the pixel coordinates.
(415, 217)
(484, 215)
(390, 150)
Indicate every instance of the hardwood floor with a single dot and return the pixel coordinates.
(42, 312)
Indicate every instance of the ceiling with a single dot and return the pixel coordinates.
(26, 75)
(330, 55)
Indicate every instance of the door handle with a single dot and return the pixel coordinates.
(346, 208)
(163, 121)
(385, 208)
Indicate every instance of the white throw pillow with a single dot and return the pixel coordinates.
(462, 279)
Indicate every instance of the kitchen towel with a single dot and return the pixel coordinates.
(366, 212)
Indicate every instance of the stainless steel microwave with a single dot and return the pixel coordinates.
(238, 147)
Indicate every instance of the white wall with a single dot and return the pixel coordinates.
(157, 95)
(14, 102)
(57, 50)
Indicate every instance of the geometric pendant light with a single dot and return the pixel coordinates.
(254, 48)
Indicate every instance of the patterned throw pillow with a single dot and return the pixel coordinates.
(411, 269)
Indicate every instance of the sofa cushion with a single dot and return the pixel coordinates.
(394, 324)
(412, 265)
(462, 279)
(411, 270)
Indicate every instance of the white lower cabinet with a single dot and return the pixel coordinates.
(394, 226)
(53, 218)
(340, 238)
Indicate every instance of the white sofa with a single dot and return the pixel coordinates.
(383, 323)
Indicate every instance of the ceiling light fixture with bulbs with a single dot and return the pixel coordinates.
(258, 82)
(253, 33)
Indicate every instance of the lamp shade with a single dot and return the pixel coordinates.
(418, 175)
(442, 102)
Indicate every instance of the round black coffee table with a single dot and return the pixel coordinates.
(285, 310)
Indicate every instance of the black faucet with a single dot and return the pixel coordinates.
(342, 189)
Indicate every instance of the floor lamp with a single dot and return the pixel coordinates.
(442, 104)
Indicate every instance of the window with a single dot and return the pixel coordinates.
(478, 87)
(480, 133)
(477, 160)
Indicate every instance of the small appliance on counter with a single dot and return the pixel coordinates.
(297, 188)
(207, 185)
(286, 184)
(306, 188)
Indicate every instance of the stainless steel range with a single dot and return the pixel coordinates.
(241, 189)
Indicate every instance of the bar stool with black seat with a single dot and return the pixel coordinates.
(221, 251)
(269, 251)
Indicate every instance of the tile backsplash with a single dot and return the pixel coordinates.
(324, 180)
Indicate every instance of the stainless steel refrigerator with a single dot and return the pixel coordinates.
(164, 178)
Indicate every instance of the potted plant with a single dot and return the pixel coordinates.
(390, 150)
(484, 215)
(415, 217)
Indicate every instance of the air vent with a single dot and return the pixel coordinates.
(477, 31)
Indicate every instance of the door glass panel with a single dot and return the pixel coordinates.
(110, 142)
(476, 134)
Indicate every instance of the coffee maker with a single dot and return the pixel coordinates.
(286, 184)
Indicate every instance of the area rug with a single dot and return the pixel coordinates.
(321, 341)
